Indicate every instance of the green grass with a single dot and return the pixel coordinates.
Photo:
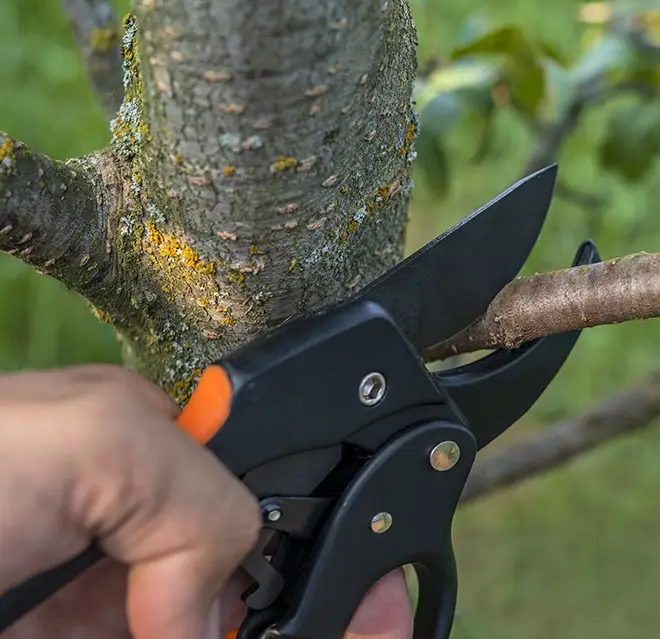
(572, 555)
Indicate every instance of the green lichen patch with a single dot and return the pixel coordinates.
(181, 390)
(129, 130)
(410, 132)
(7, 155)
(103, 316)
(171, 247)
(236, 277)
(283, 163)
(185, 278)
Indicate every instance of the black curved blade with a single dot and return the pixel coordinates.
(495, 391)
(447, 284)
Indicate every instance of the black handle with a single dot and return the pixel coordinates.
(20, 600)
(397, 511)
(438, 592)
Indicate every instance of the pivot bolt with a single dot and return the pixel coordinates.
(273, 513)
(444, 456)
(381, 522)
(372, 389)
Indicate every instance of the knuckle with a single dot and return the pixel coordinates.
(239, 516)
(114, 388)
(98, 373)
(252, 519)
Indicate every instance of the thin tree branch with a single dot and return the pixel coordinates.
(552, 136)
(98, 34)
(588, 201)
(633, 409)
(619, 290)
(55, 215)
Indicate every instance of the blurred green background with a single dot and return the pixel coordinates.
(574, 554)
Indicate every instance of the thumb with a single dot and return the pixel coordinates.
(180, 559)
(385, 612)
(173, 597)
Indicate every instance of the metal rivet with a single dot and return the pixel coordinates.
(445, 455)
(381, 522)
(372, 389)
(273, 513)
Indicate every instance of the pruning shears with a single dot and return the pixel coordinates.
(357, 452)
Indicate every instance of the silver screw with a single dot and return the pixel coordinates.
(372, 389)
(269, 633)
(445, 455)
(381, 522)
(273, 513)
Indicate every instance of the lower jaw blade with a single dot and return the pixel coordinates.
(494, 392)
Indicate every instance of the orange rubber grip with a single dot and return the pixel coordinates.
(206, 412)
(208, 408)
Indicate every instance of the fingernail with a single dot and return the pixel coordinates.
(213, 625)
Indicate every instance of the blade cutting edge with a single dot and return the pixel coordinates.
(447, 284)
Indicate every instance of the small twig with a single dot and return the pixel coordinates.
(619, 290)
(98, 35)
(587, 201)
(551, 136)
(626, 413)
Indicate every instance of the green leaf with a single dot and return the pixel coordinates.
(522, 64)
(507, 39)
(550, 51)
(527, 84)
(475, 26)
(632, 142)
(469, 78)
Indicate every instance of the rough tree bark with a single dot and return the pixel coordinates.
(259, 167)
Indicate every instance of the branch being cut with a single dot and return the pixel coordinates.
(97, 33)
(619, 290)
(55, 215)
(626, 413)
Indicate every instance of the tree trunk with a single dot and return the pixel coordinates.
(259, 168)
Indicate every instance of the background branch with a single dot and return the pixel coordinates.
(625, 413)
(98, 35)
(55, 215)
(551, 136)
(610, 292)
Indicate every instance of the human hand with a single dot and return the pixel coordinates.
(93, 452)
